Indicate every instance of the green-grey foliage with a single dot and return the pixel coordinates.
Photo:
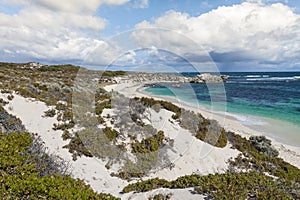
(20, 179)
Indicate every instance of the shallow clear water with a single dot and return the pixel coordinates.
(273, 95)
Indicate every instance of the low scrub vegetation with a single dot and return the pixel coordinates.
(224, 186)
(150, 144)
(204, 129)
(161, 197)
(234, 184)
(23, 178)
(113, 73)
(252, 159)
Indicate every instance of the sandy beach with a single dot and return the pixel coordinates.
(287, 152)
(192, 156)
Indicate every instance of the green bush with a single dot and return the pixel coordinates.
(223, 186)
(252, 159)
(19, 177)
(100, 107)
(150, 144)
(50, 113)
(110, 133)
(49, 68)
(77, 147)
(113, 73)
(161, 197)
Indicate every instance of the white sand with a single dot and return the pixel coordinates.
(91, 170)
(289, 153)
(177, 194)
(192, 156)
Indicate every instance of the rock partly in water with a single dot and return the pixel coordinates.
(208, 78)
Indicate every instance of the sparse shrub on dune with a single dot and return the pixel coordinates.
(10, 97)
(161, 197)
(150, 144)
(50, 113)
(223, 186)
(263, 145)
(206, 130)
(254, 160)
(3, 102)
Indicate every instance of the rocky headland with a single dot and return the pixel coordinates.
(143, 77)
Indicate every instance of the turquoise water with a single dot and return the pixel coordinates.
(270, 95)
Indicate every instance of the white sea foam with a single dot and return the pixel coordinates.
(247, 120)
(274, 78)
(253, 76)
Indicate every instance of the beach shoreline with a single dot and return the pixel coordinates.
(196, 156)
(288, 152)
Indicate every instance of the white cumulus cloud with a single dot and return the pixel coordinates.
(52, 30)
(257, 31)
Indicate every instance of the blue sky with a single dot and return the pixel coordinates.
(124, 17)
(225, 35)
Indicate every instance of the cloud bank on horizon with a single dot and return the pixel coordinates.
(252, 35)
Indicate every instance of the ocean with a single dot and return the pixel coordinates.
(273, 95)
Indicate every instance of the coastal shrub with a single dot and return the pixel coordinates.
(20, 175)
(66, 135)
(77, 147)
(244, 185)
(144, 163)
(6, 91)
(113, 73)
(61, 106)
(65, 115)
(110, 133)
(47, 164)
(252, 159)
(161, 197)
(93, 142)
(50, 113)
(25, 92)
(149, 144)
(10, 123)
(222, 186)
(63, 126)
(100, 107)
(149, 102)
(146, 152)
(263, 145)
(49, 68)
(10, 97)
(3, 102)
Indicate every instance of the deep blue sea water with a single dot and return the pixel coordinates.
(273, 95)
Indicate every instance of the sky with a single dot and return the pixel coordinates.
(153, 35)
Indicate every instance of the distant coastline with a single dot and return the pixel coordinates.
(255, 99)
